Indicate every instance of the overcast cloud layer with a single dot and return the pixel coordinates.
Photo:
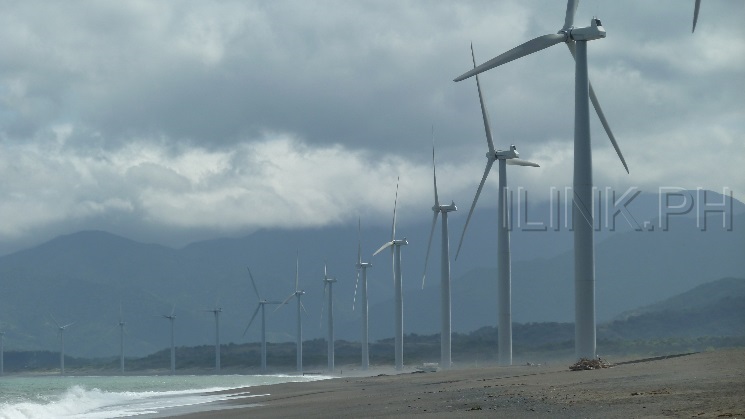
(171, 121)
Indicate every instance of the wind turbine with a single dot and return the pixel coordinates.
(584, 253)
(61, 332)
(395, 246)
(362, 267)
(695, 14)
(504, 280)
(445, 310)
(171, 317)
(328, 282)
(261, 306)
(121, 340)
(216, 311)
(297, 294)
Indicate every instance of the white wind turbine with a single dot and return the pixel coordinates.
(362, 268)
(297, 294)
(328, 282)
(445, 310)
(584, 253)
(216, 311)
(395, 246)
(61, 332)
(171, 317)
(261, 307)
(504, 280)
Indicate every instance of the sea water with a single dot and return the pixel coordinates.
(121, 396)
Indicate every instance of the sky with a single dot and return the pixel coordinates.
(174, 121)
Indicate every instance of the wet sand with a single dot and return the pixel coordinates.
(703, 385)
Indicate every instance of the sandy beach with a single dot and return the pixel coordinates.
(702, 385)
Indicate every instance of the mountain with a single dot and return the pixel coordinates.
(716, 308)
(84, 278)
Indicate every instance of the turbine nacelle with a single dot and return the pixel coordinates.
(445, 208)
(589, 33)
(361, 265)
(403, 242)
(507, 154)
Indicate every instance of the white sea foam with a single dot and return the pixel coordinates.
(39, 400)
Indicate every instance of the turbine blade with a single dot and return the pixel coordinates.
(173, 309)
(297, 271)
(571, 9)
(390, 243)
(359, 240)
(695, 14)
(520, 162)
(356, 284)
(527, 48)
(473, 205)
(303, 307)
(429, 245)
(253, 283)
(484, 114)
(434, 169)
(601, 115)
(395, 204)
(54, 320)
(285, 301)
(320, 322)
(599, 110)
(252, 319)
(68, 325)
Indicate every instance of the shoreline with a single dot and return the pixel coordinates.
(708, 384)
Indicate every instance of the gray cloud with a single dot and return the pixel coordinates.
(230, 116)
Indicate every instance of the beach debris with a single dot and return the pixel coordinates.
(590, 364)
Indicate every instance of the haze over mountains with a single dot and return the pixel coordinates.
(83, 278)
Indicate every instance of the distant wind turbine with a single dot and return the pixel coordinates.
(61, 332)
(216, 311)
(395, 246)
(445, 307)
(328, 291)
(362, 268)
(171, 317)
(297, 294)
(584, 249)
(504, 280)
(262, 303)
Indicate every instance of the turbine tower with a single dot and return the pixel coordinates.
(121, 340)
(445, 310)
(328, 282)
(362, 268)
(261, 307)
(61, 332)
(504, 280)
(584, 254)
(395, 246)
(297, 294)
(216, 311)
(171, 317)
(2, 354)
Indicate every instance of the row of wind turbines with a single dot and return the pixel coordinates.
(576, 39)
